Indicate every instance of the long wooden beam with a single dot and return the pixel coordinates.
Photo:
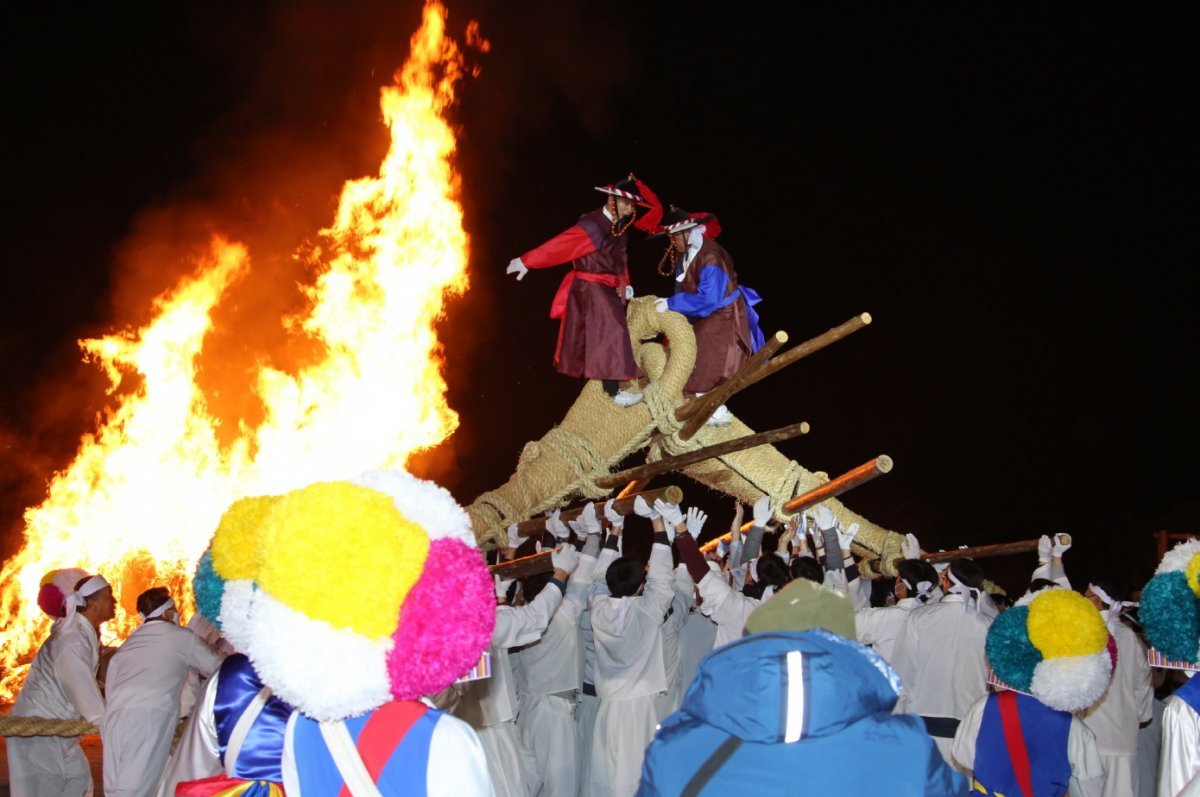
(623, 505)
(980, 551)
(809, 346)
(668, 464)
(831, 489)
(525, 566)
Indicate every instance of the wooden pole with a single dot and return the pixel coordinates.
(808, 347)
(668, 464)
(706, 404)
(980, 551)
(525, 566)
(624, 505)
(830, 489)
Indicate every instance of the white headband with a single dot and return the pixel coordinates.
(960, 588)
(1115, 607)
(160, 611)
(78, 598)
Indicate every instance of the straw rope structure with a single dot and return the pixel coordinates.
(596, 436)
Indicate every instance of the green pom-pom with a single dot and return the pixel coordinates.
(1171, 616)
(208, 588)
(1012, 656)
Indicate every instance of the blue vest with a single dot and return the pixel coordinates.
(262, 751)
(1045, 730)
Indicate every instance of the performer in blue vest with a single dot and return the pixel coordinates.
(1053, 650)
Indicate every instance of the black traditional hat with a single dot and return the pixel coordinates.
(626, 189)
(679, 220)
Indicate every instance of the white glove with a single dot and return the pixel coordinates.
(502, 585)
(556, 527)
(660, 305)
(695, 520)
(642, 509)
(628, 292)
(763, 511)
(514, 539)
(910, 548)
(1044, 548)
(723, 548)
(565, 558)
(577, 527)
(589, 521)
(517, 266)
(671, 514)
(824, 517)
(847, 537)
(1062, 544)
(612, 515)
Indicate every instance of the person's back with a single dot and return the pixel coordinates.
(143, 685)
(790, 712)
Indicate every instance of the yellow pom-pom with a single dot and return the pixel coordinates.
(236, 539)
(1193, 573)
(1064, 623)
(342, 553)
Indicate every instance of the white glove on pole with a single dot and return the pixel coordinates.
(1061, 544)
(612, 515)
(556, 527)
(846, 537)
(565, 558)
(763, 511)
(589, 520)
(671, 514)
(502, 585)
(628, 292)
(695, 520)
(642, 509)
(514, 539)
(577, 527)
(910, 548)
(824, 517)
(660, 305)
(1044, 548)
(517, 266)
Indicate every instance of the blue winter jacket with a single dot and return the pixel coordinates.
(795, 712)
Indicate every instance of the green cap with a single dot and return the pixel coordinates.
(802, 605)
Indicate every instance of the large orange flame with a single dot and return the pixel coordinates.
(145, 491)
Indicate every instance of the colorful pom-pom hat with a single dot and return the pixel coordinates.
(1054, 645)
(1170, 604)
(54, 588)
(348, 594)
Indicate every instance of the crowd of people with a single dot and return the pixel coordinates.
(764, 663)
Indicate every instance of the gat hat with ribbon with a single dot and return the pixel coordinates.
(626, 189)
(1170, 604)
(802, 605)
(679, 220)
(348, 594)
(1054, 645)
(55, 587)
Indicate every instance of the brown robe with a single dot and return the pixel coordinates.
(722, 338)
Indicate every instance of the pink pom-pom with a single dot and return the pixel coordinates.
(51, 600)
(445, 623)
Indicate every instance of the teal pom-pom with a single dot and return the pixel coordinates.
(1171, 616)
(1012, 656)
(208, 587)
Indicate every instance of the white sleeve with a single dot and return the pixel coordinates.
(722, 604)
(1087, 768)
(660, 581)
(78, 679)
(521, 625)
(457, 766)
(1179, 758)
(200, 656)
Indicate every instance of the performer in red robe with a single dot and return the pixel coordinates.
(593, 336)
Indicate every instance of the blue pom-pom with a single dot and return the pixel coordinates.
(1171, 616)
(208, 588)
(1012, 656)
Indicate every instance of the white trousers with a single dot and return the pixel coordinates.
(509, 761)
(47, 766)
(547, 724)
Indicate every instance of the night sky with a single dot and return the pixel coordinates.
(1005, 192)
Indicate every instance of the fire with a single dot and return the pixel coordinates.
(145, 491)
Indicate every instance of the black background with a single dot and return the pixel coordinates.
(1007, 192)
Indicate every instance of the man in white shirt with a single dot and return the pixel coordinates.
(143, 686)
(1128, 703)
(879, 627)
(62, 685)
(940, 657)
